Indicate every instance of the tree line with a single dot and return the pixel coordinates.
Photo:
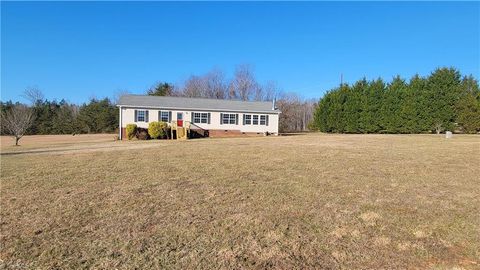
(443, 101)
(61, 117)
(297, 112)
(42, 116)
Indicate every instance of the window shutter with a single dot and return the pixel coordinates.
(136, 118)
(221, 118)
(146, 116)
(169, 116)
(208, 120)
(192, 116)
(266, 119)
(243, 119)
(236, 119)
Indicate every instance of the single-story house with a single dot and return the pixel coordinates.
(214, 117)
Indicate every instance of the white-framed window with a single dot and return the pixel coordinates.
(263, 120)
(164, 116)
(141, 116)
(229, 118)
(201, 118)
(248, 119)
(255, 119)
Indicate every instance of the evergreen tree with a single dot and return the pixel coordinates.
(442, 101)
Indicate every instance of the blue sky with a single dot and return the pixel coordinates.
(79, 50)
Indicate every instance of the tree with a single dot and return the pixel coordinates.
(161, 89)
(33, 94)
(443, 91)
(195, 86)
(17, 120)
(244, 85)
(98, 116)
(467, 108)
(441, 101)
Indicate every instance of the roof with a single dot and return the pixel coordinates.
(161, 102)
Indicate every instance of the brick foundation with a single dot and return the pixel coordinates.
(216, 133)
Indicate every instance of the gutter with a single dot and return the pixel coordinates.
(198, 109)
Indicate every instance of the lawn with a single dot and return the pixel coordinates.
(304, 201)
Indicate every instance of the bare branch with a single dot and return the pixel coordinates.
(33, 94)
(17, 120)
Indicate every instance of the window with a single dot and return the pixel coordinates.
(141, 116)
(229, 118)
(164, 116)
(248, 119)
(201, 118)
(263, 120)
(255, 119)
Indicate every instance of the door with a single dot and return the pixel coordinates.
(179, 119)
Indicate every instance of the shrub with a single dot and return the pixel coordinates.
(165, 129)
(142, 134)
(131, 131)
(157, 129)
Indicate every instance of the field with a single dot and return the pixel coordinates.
(303, 201)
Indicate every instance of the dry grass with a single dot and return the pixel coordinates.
(310, 201)
(7, 143)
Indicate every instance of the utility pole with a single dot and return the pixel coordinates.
(341, 79)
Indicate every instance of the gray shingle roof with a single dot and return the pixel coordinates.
(195, 104)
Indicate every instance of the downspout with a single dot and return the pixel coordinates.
(120, 122)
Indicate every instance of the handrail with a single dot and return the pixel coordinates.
(193, 124)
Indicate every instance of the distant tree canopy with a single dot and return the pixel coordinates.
(52, 117)
(244, 85)
(161, 89)
(442, 101)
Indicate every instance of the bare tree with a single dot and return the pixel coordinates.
(194, 87)
(269, 91)
(215, 84)
(297, 113)
(244, 85)
(17, 120)
(33, 94)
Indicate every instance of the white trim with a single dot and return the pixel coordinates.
(198, 109)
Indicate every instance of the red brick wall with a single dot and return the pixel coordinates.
(124, 134)
(216, 133)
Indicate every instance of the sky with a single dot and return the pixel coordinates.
(81, 50)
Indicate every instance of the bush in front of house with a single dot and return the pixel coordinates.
(142, 134)
(157, 130)
(131, 131)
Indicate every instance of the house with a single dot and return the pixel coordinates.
(208, 117)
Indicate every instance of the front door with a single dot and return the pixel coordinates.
(179, 119)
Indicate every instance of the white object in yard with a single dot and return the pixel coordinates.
(448, 134)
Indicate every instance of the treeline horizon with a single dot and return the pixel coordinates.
(101, 115)
(442, 101)
(62, 117)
